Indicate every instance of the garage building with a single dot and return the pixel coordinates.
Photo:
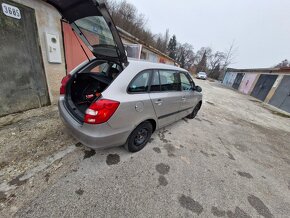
(270, 85)
(38, 49)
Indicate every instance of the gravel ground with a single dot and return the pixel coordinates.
(233, 160)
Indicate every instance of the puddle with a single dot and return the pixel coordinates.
(259, 206)
(79, 191)
(216, 212)
(162, 168)
(162, 180)
(113, 159)
(157, 150)
(89, 153)
(238, 213)
(245, 174)
(170, 150)
(190, 204)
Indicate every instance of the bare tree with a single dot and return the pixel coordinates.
(185, 55)
(230, 57)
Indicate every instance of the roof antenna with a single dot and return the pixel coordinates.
(81, 45)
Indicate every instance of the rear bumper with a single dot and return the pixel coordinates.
(93, 136)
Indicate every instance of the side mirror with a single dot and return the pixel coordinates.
(198, 89)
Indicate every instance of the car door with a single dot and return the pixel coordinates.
(189, 96)
(165, 95)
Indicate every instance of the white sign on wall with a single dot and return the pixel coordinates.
(11, 11)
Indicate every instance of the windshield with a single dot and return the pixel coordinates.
(202, 73)
(95, 30)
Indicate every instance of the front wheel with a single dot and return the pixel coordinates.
(139, 137)
(194, 112)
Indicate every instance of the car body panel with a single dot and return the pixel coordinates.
(166, 106)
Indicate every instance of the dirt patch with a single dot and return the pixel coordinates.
(190, 204)
(18, 181)
(30, 137)
(162, 168)
(3, 197)
(113, 159)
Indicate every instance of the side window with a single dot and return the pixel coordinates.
(155, 84)
(185, 82)
(169, 80)
(140, 83)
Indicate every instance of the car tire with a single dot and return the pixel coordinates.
(139, 137)
(195, 111)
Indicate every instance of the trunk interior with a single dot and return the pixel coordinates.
(86, 86)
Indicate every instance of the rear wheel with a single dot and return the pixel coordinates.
(194, 112)
(139, 137)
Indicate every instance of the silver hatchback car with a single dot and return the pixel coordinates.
(110, 100)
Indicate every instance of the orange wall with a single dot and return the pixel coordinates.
(74, 54)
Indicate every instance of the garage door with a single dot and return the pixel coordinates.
(22, 79)
(238, 80)
(281, 98)
(263, 86)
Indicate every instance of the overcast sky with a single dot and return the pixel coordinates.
(260, 28)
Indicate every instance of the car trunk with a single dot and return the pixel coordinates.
(87, 85)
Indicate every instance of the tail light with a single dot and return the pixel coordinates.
(63, 84)
(101, 111)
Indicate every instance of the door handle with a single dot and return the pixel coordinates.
(183, 98)
(158, 102)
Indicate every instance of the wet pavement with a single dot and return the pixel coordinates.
(233, 160)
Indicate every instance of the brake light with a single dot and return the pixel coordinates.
(101, 111)
(63, 84)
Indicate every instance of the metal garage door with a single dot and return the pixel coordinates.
(22, 79)
(281, 98)
(238, 80)
(263, 86)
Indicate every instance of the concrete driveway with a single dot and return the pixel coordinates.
(233, 160)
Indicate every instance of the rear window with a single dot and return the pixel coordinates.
(140, 83)
(95, 30)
